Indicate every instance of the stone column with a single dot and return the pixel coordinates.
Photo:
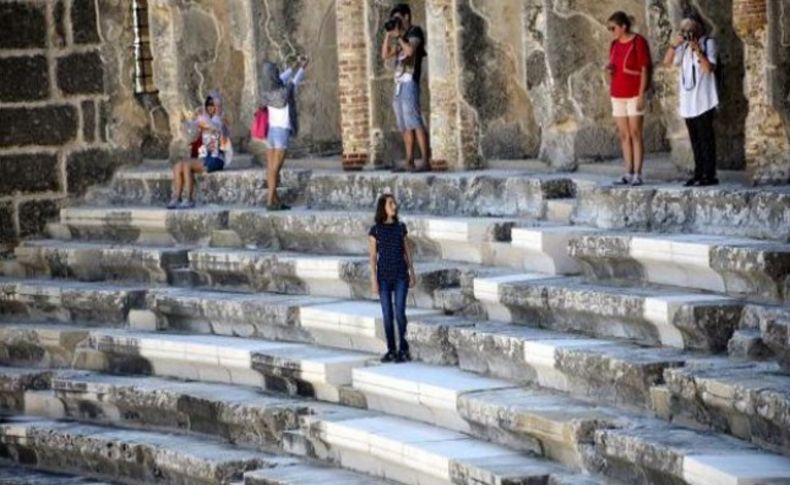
(766, 145)
(353, 86)
(453, 125)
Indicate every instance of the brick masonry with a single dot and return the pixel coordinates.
(353, 88)
(52, 108)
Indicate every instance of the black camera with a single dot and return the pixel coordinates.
(689, 36)
(392, 24)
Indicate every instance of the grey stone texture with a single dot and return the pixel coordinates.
(51, 125)
(24, 78)
(35, 214)
(25, 23)
(81, 73)
(29, 173)
(84, 26)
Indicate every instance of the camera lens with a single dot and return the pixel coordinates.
(391, 24)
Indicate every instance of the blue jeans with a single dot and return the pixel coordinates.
(406, 103)
(386, 290)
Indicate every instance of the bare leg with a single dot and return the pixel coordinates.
(271, 177)
(625, 143)
(178, 181)
(279, 160)
(635, 132)
(408, 143)
(190, 169)
(425, 150)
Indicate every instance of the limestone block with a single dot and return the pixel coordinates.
(45, 346)
(773, 326)
(15, 382)
(299, 474)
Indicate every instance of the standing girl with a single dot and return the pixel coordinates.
(279, 99)
(629, 67)
(391, 273)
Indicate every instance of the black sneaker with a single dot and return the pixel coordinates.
(691, 182)
(389, 357)
(708, 181)
(404, 356)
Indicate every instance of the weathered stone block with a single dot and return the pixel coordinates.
(49, 125)
(59, 18)
(83, 22)
(34, 214)
(24, 25)
(88, 120)
(7, 226)
(81, 73)
(29, 173)
(24, 78)
(87, 168)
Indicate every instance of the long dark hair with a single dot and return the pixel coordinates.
(622, 19)
(381, 209)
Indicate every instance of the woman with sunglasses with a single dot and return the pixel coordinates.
(629, 69)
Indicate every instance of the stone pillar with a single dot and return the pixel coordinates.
(453, 125)
(766, 144)
(353, 85)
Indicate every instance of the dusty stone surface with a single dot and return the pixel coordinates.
(465, 194)
(43, 300)
(772, 324)
(728, 211)
(15, 381)
(97, 262)
(569, 304)
(124, 455)
(40, 346)
(750, 401)
(237, 414)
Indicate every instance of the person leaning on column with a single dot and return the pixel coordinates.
(696, 54)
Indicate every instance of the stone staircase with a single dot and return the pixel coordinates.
(564, 332)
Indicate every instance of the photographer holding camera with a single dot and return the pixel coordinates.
(405, 43)
(695, 53)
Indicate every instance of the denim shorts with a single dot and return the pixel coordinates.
(406, 103)
(278, 137)
(213, 164)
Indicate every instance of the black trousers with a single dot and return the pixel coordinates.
(703, 143)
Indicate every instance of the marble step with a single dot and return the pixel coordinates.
(144, 225)
(68, 301)
(606, 370)
(560, 210)
(16, 381)
(305, 474)
(297, 369)
(475, 193)
(87, 261)
(414, 453)
(351, 325)
(545, 247)
(243, 186)
(739, 267)
(311, 274)
(585, 436)
(748, 400)
(650, 316)
(43, 346)
(233, 413)
(482, 240)
(726, 210)
(126, 455)
(772, 324)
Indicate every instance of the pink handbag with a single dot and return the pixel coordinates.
(259, 129)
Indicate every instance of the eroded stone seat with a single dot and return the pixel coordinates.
(725, 210)
(545, 247)
(740, 267)
(142, 456)
(301, 474)
(88, 261)
(68, 301)
(651, 316)
(145, 225)
(294, 368)
(40, 345)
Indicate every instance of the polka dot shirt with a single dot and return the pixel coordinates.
(390, 247)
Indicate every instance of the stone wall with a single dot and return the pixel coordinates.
(60, 99)
(204, 45)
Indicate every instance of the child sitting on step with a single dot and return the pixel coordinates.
(391, 273)
(210, 131)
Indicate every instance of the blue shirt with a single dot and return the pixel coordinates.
(390, 251)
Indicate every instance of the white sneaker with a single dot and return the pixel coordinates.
(624, 180)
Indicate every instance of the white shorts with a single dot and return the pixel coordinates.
(626, 107)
